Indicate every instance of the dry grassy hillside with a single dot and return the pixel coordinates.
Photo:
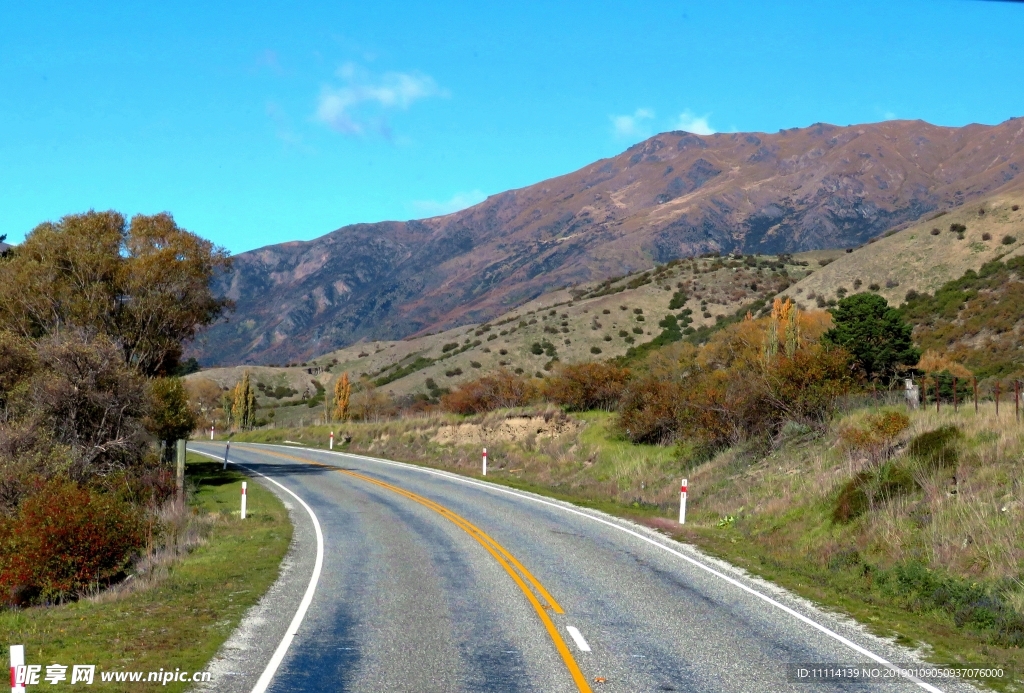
(588, 322)
(919, 259)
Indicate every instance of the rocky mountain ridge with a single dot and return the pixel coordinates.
(674, 195)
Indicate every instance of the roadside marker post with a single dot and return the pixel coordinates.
(180, 475)
(243, 499)
(332, 440)
(227, 449)
(682, 503)
(17, 661)
(211, 431)
(997, 399)
(485, 461)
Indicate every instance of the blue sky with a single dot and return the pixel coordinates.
(256, 123)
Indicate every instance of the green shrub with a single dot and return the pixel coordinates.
(1009, 240)
(937, 448)
(871, 487)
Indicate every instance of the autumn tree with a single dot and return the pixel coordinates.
(204, 397)
(342, 396)
(145, 284)
(243, 404)
(171, 417)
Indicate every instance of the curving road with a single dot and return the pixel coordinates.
(433, 582)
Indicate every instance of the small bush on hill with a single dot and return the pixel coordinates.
(938, 448)
(1009, 240)
(496, 391)
(585, 386)
(876, 435)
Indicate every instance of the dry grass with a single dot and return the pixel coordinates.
(180, 532)
(913, 258)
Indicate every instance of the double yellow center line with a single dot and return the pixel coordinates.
(519, 574)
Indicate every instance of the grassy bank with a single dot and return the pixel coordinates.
(935, 558)
(186, 610)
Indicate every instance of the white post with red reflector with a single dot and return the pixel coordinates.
(243, 499)
(682, 503)
(332, 440)
(211, 432)
(17, 669)
(485, 461)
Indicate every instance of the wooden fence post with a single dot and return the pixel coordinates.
(955, 405)
(997, 399)
(974, 382)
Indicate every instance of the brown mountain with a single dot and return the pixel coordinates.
(676, 194)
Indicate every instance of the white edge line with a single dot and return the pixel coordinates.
(732, 581)
(282, 649)
(578, 637)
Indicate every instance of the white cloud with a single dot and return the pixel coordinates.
(698, 125)
(888, 115)
(356, 107)
(632, 125)
(460, 200)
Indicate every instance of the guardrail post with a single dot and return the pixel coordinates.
(17, 660)
(682, 503)
(181, 475)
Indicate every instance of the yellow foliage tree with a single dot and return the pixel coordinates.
(342, 395)
(243, 405)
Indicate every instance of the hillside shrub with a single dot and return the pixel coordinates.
(876, 435)
(870, 488)
(935, 232)
(65, 539)
(986, 236)
(586, 386)
(499, 390)
(957, 228)
(1009, 240)
(938, 448)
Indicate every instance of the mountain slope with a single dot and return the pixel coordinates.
(924, 255)
(674, 195)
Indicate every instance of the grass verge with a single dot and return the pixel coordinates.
(181, 621)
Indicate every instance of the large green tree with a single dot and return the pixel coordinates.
(144, 283)
(874, 333)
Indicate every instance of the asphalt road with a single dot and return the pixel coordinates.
(432, 582)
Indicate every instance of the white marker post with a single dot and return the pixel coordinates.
(485, 461)
(227, 449)
(332, 440)
(243, 499)
(682, 503)
(211, 432)
(17, 668)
